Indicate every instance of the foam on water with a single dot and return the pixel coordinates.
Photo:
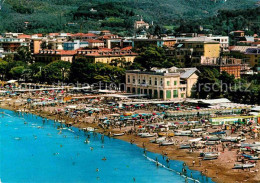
(38, 152)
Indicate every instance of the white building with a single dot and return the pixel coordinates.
(223, 40)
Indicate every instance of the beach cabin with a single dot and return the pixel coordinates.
(233, 120)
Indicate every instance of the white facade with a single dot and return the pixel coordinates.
(223, 40)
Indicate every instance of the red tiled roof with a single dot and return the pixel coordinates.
(84, 35)
(39, 35)
(127, 48)
(95, 41)
(22, 36)
(239, 31)
(255, 43)
(54, 34)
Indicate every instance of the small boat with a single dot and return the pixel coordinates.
(146, 135)
(140, 134)
(210, 143)
(255, 144)
(185, 133)
(158, 140)
(212, 138)
(118, 134)
(185, 146)
(250, 157)
(218, 133)
(90, 129)
(228, 139)
(167, 143)
(210, 156)
(197, 130)
(243, 166)
(169, 134)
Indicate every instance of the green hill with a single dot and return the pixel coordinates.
(118, 15)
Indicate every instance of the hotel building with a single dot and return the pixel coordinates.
(166, 84)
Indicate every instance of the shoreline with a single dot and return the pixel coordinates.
(217, 170)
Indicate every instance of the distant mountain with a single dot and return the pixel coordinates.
(73, 15)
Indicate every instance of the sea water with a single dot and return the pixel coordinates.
(32, 151)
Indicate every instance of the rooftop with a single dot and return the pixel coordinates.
(201, 39)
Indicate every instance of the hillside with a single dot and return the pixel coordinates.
(118, 15)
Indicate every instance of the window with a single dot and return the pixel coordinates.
(128, 89)
(168, 94)
(155, 94)
(134, 79)
(155, 82)
(150, 92)
(133, 90)
(175, 93)
(139, 80)
(161, 82)
(150, 81)
(128, 79)
(161, 94)
(168, 83)
(144, 81)
(182, 95)
(175, 83)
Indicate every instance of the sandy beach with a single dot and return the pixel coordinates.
(220, 170)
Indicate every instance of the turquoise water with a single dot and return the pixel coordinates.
(36, 152)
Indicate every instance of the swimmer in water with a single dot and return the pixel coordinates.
(102, 146)
(104, 159)
(91, 148)
(97, 170)
(86, 141)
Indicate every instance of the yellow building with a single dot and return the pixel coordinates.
(54, 55)
(252, 56)
(166, 84)
(106, 55)
(197, 49)
(202, 47)
(35, 45)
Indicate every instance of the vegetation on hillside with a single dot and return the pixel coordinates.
(226, 21)
(75, 15)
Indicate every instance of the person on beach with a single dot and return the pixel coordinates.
(193, 163)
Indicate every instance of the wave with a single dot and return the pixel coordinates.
(160, 164)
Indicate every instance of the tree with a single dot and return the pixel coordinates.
(17, 72)
(23, 54)
(151, 57)
(84, 71)
(56, 71)
(3, 68)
